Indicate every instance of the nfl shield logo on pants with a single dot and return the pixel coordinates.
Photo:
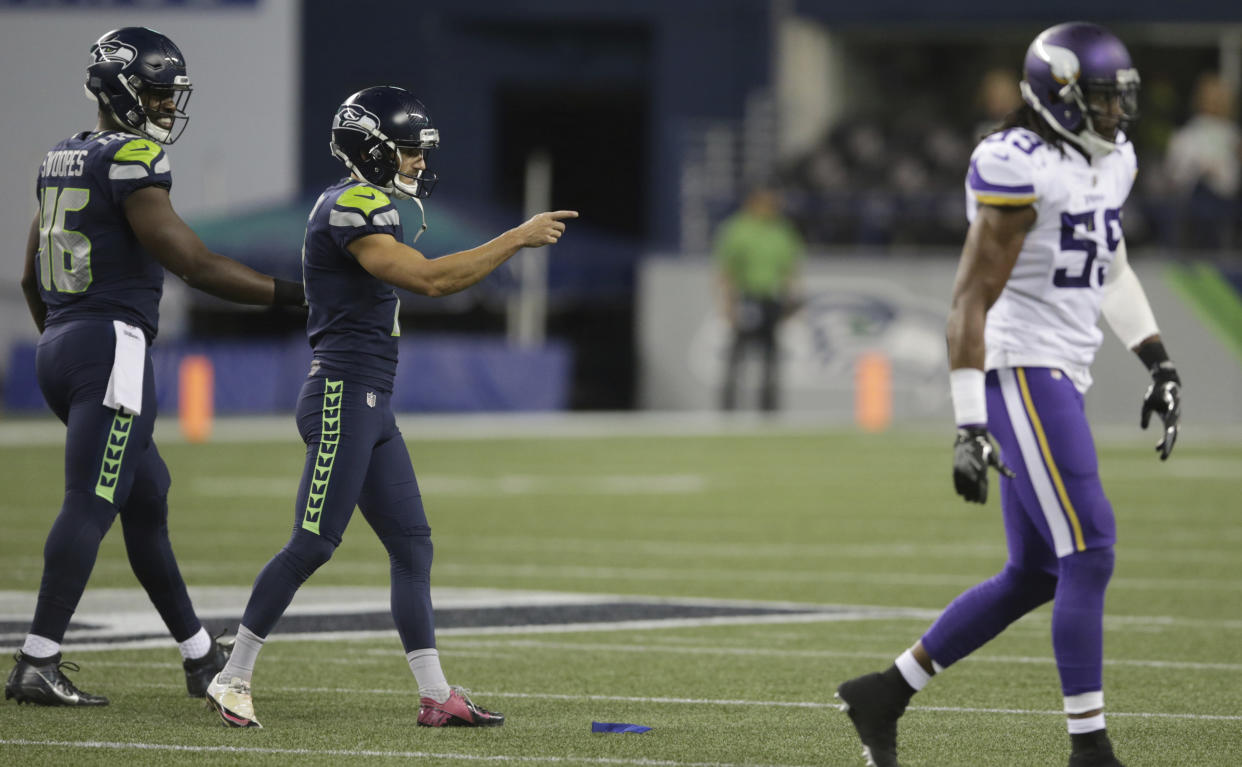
(370, 399)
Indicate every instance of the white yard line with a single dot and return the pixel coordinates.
(771, 652)
(682, 701)
(517, 637)
(686, 574)
(354, 753)
(993, 551)
(85, 644)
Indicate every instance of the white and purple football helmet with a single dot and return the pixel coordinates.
(1073, 71)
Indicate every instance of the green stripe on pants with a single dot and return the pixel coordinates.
(321, 472)
(114, 453)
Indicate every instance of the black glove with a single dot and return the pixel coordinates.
(973, 453)
(1164, 398)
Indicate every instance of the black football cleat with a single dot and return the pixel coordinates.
(200, 671)
(874, 703)
(1093, 749)
(41, 681)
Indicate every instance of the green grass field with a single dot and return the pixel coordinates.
(828, 518)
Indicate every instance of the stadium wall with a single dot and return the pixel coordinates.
(435, 374)
(857, 303)
(458, 57)
(239, 150)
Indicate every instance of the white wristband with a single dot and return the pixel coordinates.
(970, 404)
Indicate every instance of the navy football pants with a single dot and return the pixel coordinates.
(111, 467)
(355, 456)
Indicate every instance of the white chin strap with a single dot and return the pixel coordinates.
(396, 189)
(1091, 142)
(407, 192)
(423, 212)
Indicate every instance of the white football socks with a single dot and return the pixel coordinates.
(427, 672)
(196, 646)
(912, 671)
(1081, 704)
(245, 652)
(1088, 724)
(36, 646)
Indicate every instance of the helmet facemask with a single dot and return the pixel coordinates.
(1097, 98)
(391, 156)
(154, 121)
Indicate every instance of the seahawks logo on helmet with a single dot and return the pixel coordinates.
(113, 50)
(354, 117)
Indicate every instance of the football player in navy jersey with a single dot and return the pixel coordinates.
(352, 257)
(1044, 258)
(95, 261)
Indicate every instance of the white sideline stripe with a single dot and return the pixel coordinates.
(1134, 714)
(163, 643)
(84, 644)
(917, 579)
(763, 651)
(741, 702)
(133, 746)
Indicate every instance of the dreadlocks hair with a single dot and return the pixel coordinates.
(1026, 117)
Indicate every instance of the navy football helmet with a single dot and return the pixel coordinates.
(373, 127)
(1072, 76)
(128, 66)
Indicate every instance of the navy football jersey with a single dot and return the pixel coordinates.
(352, 320)
(90, 264)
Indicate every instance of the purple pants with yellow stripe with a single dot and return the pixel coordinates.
(1058, 525)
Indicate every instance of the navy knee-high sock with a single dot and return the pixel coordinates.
(983, 611)
(1078, 619)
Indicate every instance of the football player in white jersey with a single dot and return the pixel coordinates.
(1043, 258)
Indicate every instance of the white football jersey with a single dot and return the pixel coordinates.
(1047, 314)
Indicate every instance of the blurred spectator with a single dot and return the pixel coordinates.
(997, 96)
(1204, 165)
(890, 174)
(882, 180)
(758, 251)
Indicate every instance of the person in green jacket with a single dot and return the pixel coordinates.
(758, 251)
